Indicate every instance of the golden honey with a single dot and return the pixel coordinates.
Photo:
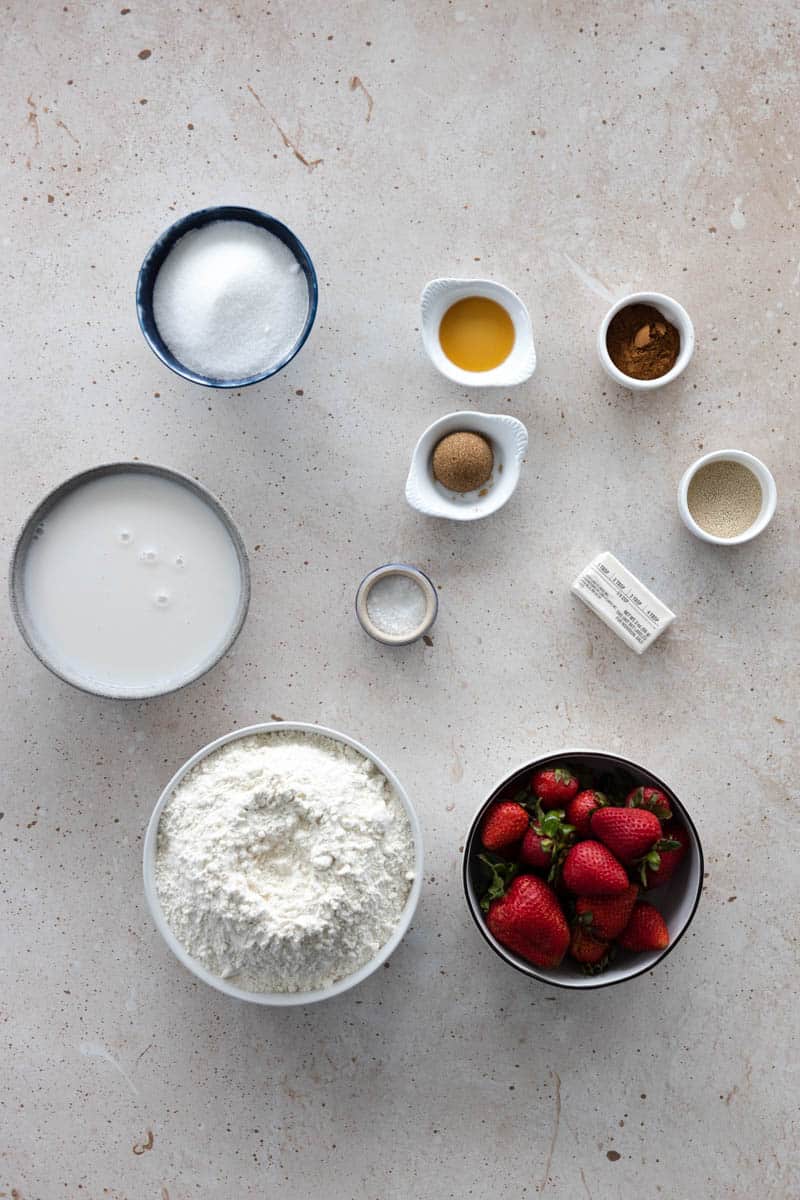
(476, 334)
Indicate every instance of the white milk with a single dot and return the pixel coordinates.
(132, 584)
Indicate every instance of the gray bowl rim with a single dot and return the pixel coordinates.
(535, 764)
(17, 564)
(281, 999)
(161, 247)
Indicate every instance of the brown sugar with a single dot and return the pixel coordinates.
(463, 461)
(642, 343)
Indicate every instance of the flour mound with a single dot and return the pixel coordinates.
(284, 861)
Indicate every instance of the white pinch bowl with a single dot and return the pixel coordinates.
(280, 999)
(441, 294)
(769, 496)
(509, 441)
(675, 313)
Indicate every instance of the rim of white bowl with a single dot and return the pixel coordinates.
(280, 999)
(676, 314)
(462, 288)
(473, 422)
(769, 496)
(587, 983)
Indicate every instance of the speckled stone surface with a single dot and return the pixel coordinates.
(574, 152)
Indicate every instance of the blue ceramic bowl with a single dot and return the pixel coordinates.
(161, 248)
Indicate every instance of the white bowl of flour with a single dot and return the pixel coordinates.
(283, 863)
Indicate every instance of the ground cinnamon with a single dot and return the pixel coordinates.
(642, 343)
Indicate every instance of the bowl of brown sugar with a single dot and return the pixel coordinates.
(727, 497)
(645, 341)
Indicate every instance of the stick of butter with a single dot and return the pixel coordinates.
(622, 601)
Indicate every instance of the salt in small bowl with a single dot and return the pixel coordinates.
(509, 441)
(426, 587)
(441, 294)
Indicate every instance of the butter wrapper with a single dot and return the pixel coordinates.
(622, 601)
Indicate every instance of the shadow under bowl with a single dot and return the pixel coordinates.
(154, 260)
(677, 900)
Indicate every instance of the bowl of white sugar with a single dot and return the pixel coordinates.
(227, 296)
(283, 863)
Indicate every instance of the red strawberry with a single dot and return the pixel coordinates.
(646, 930)
(590, 869)
(653, 799)
(546, 842)
(504, 824)
(554, 786)
(581, 807)
(669, 859)
(533, 853)
(585, 949)
(528, 920)
(606, 916)
(628, 832)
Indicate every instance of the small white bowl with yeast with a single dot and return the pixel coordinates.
(284, 998)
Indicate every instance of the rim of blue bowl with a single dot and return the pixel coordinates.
(154, 259)
(535, 764)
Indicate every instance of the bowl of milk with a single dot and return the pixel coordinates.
(227, 296)
(129, 581)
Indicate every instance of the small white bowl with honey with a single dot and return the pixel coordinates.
(477, 332)
(481, 458)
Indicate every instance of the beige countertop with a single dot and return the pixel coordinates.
(574, 152)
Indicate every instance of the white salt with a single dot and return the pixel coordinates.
(396, 604)
(230, 300)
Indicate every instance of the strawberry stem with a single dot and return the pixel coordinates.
(500, 875)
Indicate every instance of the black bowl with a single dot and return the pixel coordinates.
(160, 249)
(677, 900)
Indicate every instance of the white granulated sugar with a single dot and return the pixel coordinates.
(230, 300)
(396, 604)
(284, 861)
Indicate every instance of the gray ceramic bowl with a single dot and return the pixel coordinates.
(19, 605)
(160, 249)
(677, 900)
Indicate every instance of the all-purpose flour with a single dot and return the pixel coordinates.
(284, 861)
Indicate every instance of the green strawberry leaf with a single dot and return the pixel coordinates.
(562, 775)
(651, 860)
(551, 822)
(666, 844)
(500, 875)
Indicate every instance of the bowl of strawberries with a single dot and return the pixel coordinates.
(582, 869)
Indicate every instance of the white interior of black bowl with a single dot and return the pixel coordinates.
(677, 900)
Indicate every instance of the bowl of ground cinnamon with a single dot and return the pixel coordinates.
(645, 341)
